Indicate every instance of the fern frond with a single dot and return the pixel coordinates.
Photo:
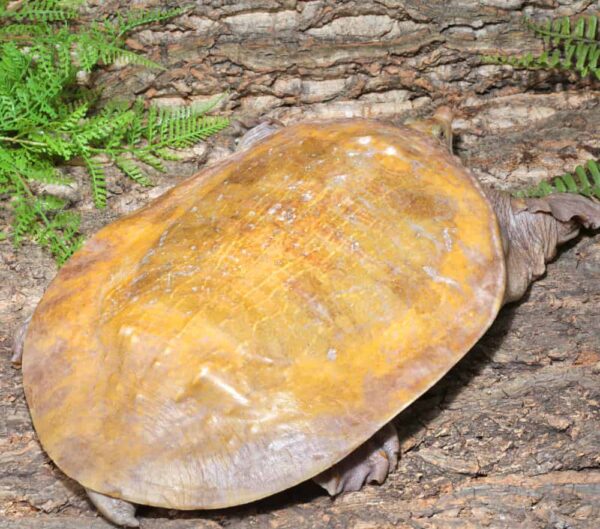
(98, 179)
(123, 57)
(135, 130)
(53, 144)
(43, 11)
(24, 30)
(47, 117)
(167, 154)
(130, 169)
(34, 166)
(141, 17)
(94, 49)
(184, 126)
(562, 31)
(73, 117)
(62, 236)
(24, 219)
(9, 114)
(151, 130)
(47, 203)
(202, 107)
(14, 64)
(86, 52)
(57, 233)
(584, 181)
(150, 159)
(103, 127)
(570, 47)
(20, 165)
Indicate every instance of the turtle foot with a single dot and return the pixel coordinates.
(18, 341)
(369, 463)
(119, 512)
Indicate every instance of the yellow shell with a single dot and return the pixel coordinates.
(259, 321)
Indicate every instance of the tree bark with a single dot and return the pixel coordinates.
(511, 436)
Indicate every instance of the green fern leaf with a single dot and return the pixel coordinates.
(202, 107)
(166, 154)
(42, 11)
(87, 52)
(59, 235)
(103, 127)
(110, 54)
(24, 219)
(559, 31)
(132, 171)
(16, 31)
(151, 131)
(48, 203)
(72, 119)
(571, 47)
(584, 181)
(183, 126)
(141, 17)
(150, 160)
(98, 180)
(135, 130)
(46, 117)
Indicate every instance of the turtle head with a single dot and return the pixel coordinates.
(533, 228)
(439, 125)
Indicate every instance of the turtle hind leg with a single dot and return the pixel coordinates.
(19, 341)
(369, 463)
(119, 512)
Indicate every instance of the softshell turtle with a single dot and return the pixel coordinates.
(261, 323)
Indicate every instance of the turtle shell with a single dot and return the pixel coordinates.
(259, 321)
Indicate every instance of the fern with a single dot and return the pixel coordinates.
(183, 127)
(569, 45)
(585, 181)
(43, 11)
(146, 137)
(124, 23)
(47, 119)
(98, 179)
(132, 170)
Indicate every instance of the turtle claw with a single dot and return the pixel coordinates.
(370, 463)
(119, 512)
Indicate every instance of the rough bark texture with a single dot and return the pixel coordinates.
(510, 438)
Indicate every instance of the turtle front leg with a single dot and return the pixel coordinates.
(258, 133)
(369, 463)
(533, 228)
(119, 512)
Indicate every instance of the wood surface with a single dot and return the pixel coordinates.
(510, 438)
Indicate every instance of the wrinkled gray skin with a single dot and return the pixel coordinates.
(119, 512)
(531, 231)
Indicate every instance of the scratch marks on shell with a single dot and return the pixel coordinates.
(218, 382)
(433, 274)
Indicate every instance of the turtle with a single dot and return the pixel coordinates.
(262, 323)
